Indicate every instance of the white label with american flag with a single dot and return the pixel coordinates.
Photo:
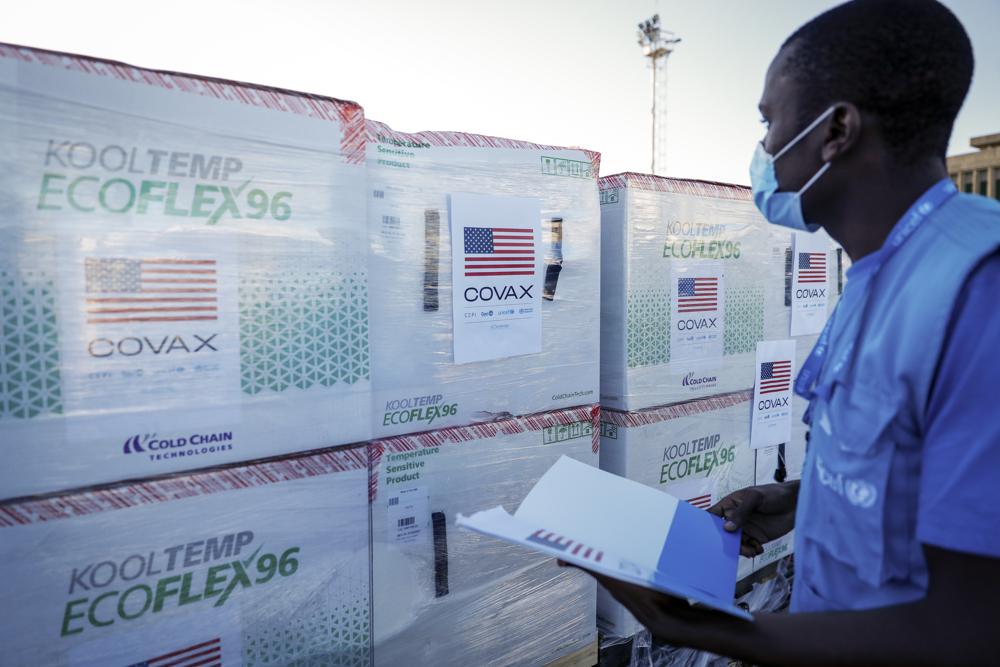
(132, 290)
(145, 326)
(497, 295)
(810, 283)
(697, 317)
(772, 405)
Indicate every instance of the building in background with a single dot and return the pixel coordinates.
(978, 172)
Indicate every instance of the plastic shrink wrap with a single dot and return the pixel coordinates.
(697, 451)
(783, 464)
(443, 595)
(658, 233)
(182, 272)
(769, 595)
(411, 182)
(257, 564)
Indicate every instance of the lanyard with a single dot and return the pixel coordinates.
(914, 217)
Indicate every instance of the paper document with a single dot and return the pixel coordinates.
(622, 529)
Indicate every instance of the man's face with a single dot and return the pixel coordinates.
(779, 105)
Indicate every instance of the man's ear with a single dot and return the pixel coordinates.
(843, 130)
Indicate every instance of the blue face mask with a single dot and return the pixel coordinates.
(782, 208)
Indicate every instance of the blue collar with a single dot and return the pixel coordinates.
(931, 199)
(919, 211)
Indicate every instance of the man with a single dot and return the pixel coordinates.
(897, 516)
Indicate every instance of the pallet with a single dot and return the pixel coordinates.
(585, 657)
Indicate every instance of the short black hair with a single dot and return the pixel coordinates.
(908, 62)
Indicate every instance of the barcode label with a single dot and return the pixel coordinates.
(788, 276)
(408, 516)
(840, 271)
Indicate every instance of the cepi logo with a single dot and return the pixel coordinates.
(691, 381)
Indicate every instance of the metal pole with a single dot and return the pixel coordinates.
(652, 161)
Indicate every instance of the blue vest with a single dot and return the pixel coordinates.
(855, 541)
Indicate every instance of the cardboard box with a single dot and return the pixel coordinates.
(653, 230)
(697, 451)
(261, 564)
(443, 594)
(182, 263)
(411, 177)
(789, 461)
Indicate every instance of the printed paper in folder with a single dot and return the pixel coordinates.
(624, 530)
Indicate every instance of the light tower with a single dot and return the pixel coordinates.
(657, 44)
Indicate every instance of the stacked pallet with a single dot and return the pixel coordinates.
(238, 410)
(693, 279)
(509, 273)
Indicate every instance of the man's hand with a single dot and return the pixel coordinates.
(764, 513)
(670, 619)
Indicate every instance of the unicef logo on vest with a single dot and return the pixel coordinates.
(858, 492)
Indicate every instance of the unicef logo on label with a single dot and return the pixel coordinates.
(860, 493)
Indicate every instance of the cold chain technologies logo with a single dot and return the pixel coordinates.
(164, 449)
(202, 572)
(87, 178)
(695, 382)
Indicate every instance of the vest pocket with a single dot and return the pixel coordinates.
(849, 481)
(859, 416)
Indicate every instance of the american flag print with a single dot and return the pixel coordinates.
(565, 545)
(775, 376)
(205, 654)
(701, 502)
(120, 289)
(697, 295)
(812, 267)
(499, 251)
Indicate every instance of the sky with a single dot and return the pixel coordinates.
(563, 72)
